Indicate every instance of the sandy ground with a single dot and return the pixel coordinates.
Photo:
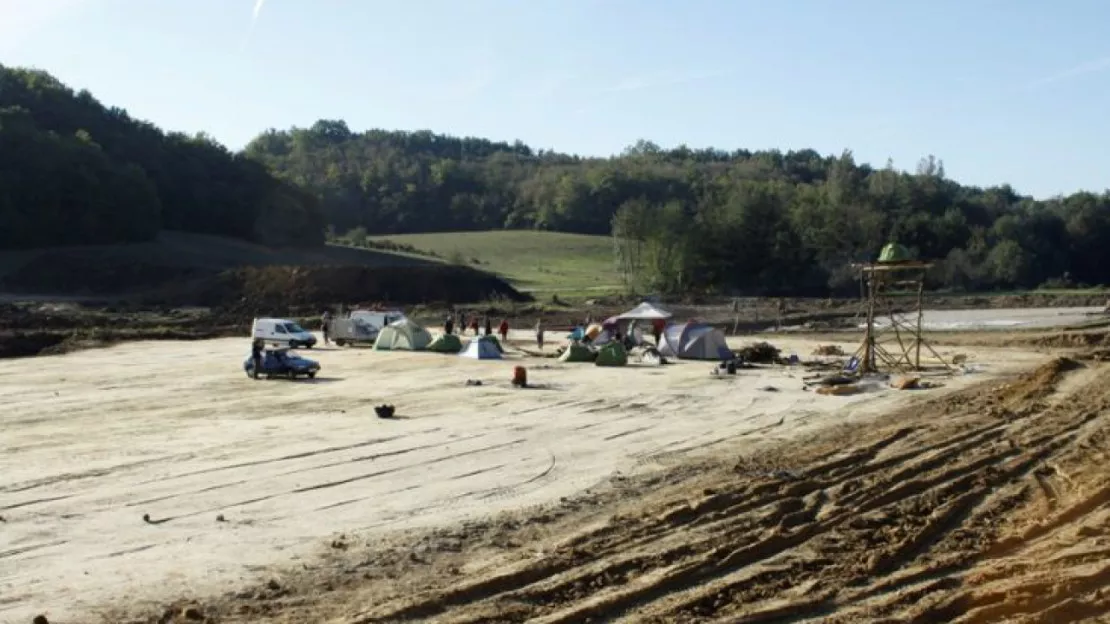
(986, 505)
(175, 430)
(1016, 318)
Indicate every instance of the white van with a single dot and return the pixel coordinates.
(377, 319)
(283, 332)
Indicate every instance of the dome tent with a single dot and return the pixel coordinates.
(577, 353)
(612, 354)
(482, 348)
(403, 335)
(694, 341)
(446, 343)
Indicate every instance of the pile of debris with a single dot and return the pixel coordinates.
(760, 353)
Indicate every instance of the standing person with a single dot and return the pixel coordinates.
(539, 334)
(503, 329)
(256, 356)
(489, 326)
(449, 324)
(474, 325)
(657, 330)
(325, 325)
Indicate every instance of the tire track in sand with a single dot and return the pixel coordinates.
(890, 530)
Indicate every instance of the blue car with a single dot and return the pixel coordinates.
(282, 363)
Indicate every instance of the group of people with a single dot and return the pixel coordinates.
(453, 320)
(486, 327)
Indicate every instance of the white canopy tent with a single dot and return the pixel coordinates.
(646, 312)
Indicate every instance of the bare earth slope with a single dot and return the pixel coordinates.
(987, 506)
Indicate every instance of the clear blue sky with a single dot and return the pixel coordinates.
(1011, 91)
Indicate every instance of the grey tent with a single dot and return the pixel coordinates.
(694, 341)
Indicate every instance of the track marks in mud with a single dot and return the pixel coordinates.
(889, 529)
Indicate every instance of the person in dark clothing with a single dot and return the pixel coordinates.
(449, 324)
(325, 325)
(489, 327)
(256, 356)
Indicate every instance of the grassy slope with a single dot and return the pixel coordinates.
(540, 262)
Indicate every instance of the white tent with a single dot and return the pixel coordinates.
(481, 349)
(645, 312)
(694, 341)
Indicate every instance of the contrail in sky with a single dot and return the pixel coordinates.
(254, 20)
(1090, 67)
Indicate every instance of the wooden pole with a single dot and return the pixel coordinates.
(920, 319)
(868, 363)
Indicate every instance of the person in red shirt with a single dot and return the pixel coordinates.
(503, 330)
(657, 327)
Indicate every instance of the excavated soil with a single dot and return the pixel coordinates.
(987, 505)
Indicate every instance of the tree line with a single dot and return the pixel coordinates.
(707, 219)
(73, 171)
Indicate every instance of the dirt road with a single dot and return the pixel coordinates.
(238, 479)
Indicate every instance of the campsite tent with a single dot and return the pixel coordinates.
(612, 354)
(577, 353)
(481, 349)
(403, 335)
(609, 329)
(446, 343)
(645, 312)
(694, 341)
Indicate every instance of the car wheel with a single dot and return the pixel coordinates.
(292, 344)
(340, 343)
(312, 375)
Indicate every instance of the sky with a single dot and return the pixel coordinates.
(1003, 91)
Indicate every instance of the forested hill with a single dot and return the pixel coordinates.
(73, 171)
(743, 221)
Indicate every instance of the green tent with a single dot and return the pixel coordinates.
(402, 335)
(612, 354)
(446, 343)
(577, 353)
(893, 252)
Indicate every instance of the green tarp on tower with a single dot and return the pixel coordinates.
(894, 252)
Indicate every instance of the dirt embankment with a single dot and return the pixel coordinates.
(989, 505)
(259, 289)
(232, 298)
